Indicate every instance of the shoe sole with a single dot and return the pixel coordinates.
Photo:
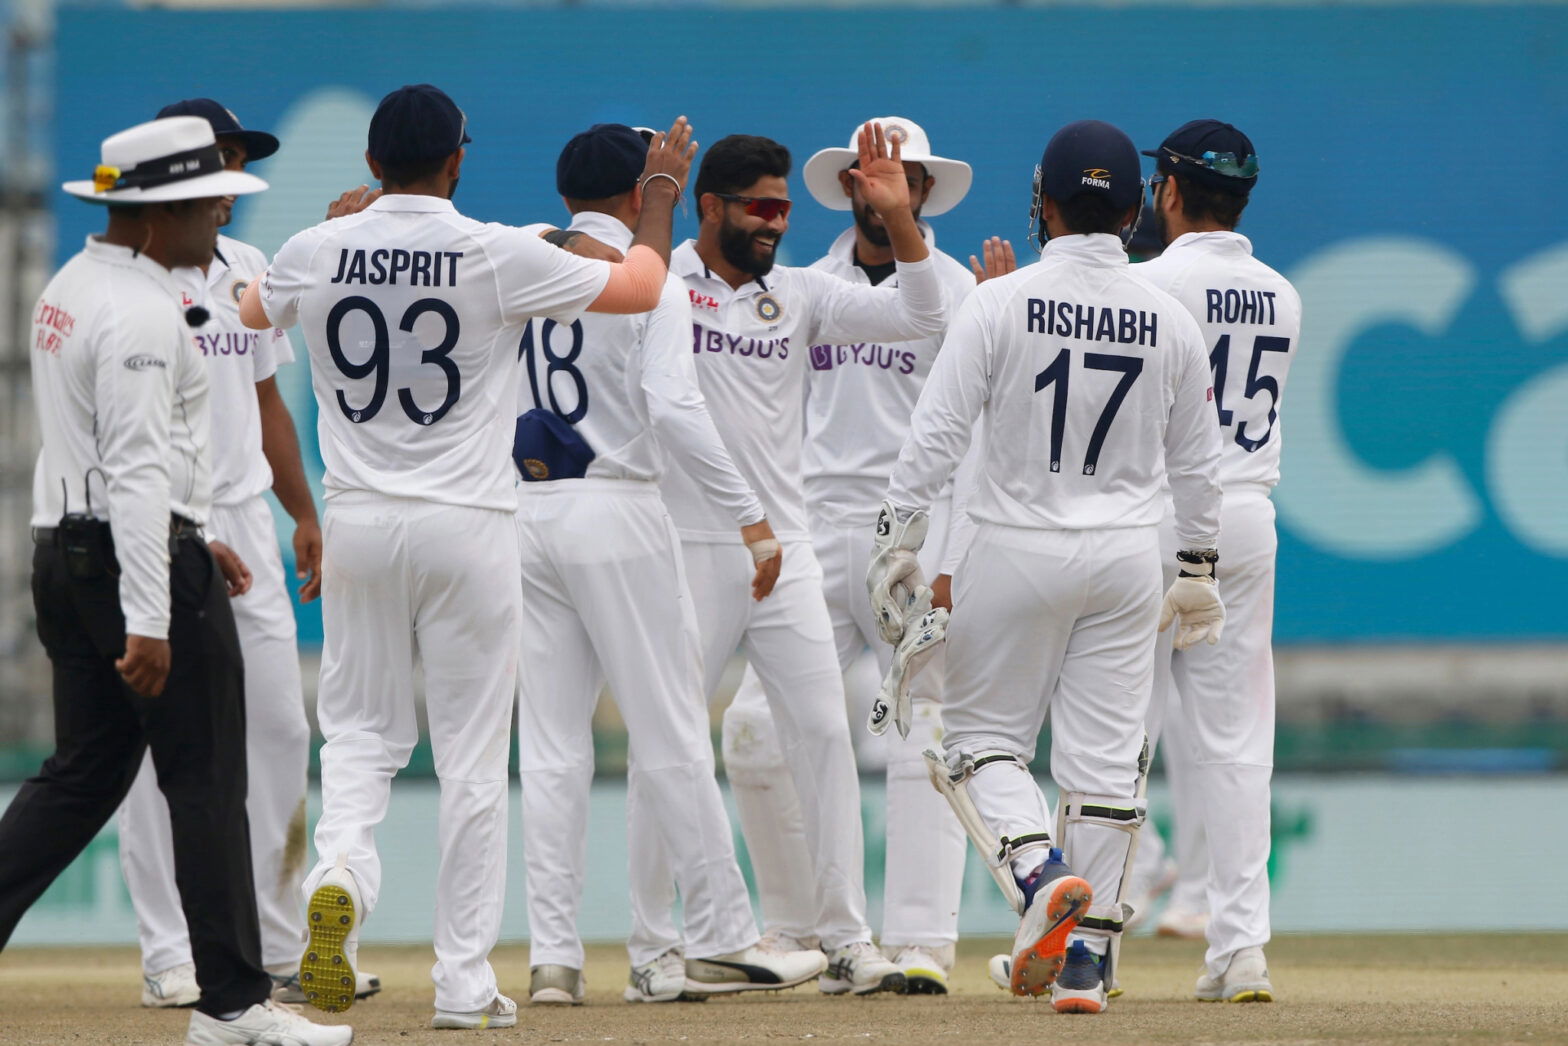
(168, 1004)
(324, 969)
(463, 1022)
(1077, 1005)
(924, 982)
(698, 991)
(554, 997)
(1252, 995)
(892, 982)
(1035, 967)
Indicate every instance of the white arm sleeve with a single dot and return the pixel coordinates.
(960, 526)
(680, 415)
(1192, 443)
(847, 311)
(284, 280)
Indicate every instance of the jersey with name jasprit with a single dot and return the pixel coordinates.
(1094, 384)
(628, 386)
(1250, 316)
(413, 315)
(751, 349)
(859, 396)
(237, 358)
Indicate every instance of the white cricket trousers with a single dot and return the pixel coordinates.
(789, 638)
(923, 878)
(408, 582)
(1058, 621)
(277, 753)
(605, 599)
(1226, 697)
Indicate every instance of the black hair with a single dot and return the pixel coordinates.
(736, 162)
(401, 174)
(1091, 212)
(126, 210)
(1201, 202)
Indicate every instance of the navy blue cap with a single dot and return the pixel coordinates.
(1183, 152)
(258, 144)
(603, 161)
(1090, 156)
(416, 123)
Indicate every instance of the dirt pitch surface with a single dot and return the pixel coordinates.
(1331, 989)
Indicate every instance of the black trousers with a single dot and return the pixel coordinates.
(196, 730)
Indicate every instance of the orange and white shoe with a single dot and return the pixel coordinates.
(1081, 986)
(1057, 901)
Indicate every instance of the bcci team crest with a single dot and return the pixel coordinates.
(536, 468)
(896, 133)
(237, 291)
(768, 309)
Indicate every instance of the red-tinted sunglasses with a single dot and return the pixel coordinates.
(765, 207)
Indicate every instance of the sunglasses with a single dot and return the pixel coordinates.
(765, 207)
(1223, 163)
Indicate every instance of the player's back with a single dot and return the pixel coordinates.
(414, 315)
(1084, 364)
(1250, 317)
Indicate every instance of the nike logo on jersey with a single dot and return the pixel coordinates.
(1092, 322)
(703, 339)
(1233, 306)
(420, 268)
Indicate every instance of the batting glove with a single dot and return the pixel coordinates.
(927, 630)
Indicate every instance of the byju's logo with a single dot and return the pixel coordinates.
(822, 357)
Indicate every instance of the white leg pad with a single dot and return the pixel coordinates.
(998, 854)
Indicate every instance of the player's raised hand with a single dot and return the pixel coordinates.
(671, 153)
(352, 202)
(880, 174)
(998, 260)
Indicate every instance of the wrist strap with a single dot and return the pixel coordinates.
(764, 550)
(1198, 562)
(679, 195)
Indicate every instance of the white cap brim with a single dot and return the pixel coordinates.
(821, 172)
(218, 183)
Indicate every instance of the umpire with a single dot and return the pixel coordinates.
(131, 604)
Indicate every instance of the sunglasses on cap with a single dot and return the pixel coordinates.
(765, 207)
(1223, 163)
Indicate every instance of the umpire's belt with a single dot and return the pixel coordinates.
(179, 527)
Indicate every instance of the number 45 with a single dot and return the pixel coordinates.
(1219, 362)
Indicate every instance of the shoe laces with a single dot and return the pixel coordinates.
(671, 962)
(862, 950)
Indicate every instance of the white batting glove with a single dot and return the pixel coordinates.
(1194, 604)
(895, 576)
(927, 630)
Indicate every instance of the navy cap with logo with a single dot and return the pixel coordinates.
(258, 144)
(1210, 152)
(1091, 156)
(414, 124)
(605, 160)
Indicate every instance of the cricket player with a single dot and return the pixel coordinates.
(752, 328)
(412, 314)
(1094, 386)
(1250, 317)
(859, 397)
(602, 403)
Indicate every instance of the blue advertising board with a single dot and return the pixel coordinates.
(1409, 158)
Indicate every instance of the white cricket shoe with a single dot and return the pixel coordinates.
(924, 969)
(1188, 925)
(285, 984)
(861, 968)
(265, 1024)
(326, 968)
(659, 980)
(752, 969)
(1001, 970)
(175, 986)
(501, 1013)
(550, 984)
(1246, 980)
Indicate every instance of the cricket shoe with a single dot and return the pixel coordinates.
(1001, 970)
(265, 1024)
(175, 986)
(326, 969)
(1056, 900)
(285, 985)
(659, 980)
(861, 968)
(1246, 980)
(752, 969)
(551, 984)
(1188, 925)
(501, 1013)
(924, 969)
(1080, 987)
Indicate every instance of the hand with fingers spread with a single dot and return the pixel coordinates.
(880, 174)
(998, 260)
(669, 157)
(352, 202)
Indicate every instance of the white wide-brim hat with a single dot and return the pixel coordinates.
(952, 176)
(175, 158)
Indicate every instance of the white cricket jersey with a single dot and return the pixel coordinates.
(1250, 316)
(860, 395)
(121, 394)
(414, 317)
(1093, 382)
(751, 348)
(237, 358)
(628, 386)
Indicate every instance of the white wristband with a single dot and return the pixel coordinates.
(764, 550)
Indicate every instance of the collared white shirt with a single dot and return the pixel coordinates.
(1094, 383)
(752, 350)
(628, 386)
(414, 316)
(1250, 316)
(237, 358)
(122, 400)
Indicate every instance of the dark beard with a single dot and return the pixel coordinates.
(735, 245)
(1161, 228)
(452, 189)
(876, 234)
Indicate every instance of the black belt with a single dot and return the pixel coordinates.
(179, 527)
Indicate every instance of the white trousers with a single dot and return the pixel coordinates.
(605, 599)
(925, 845)
(1061, 622)
(408, 582)
(1226, 697)
(789, 638)
(277, 753)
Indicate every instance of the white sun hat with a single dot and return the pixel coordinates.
(952, 176)
(175, 158)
